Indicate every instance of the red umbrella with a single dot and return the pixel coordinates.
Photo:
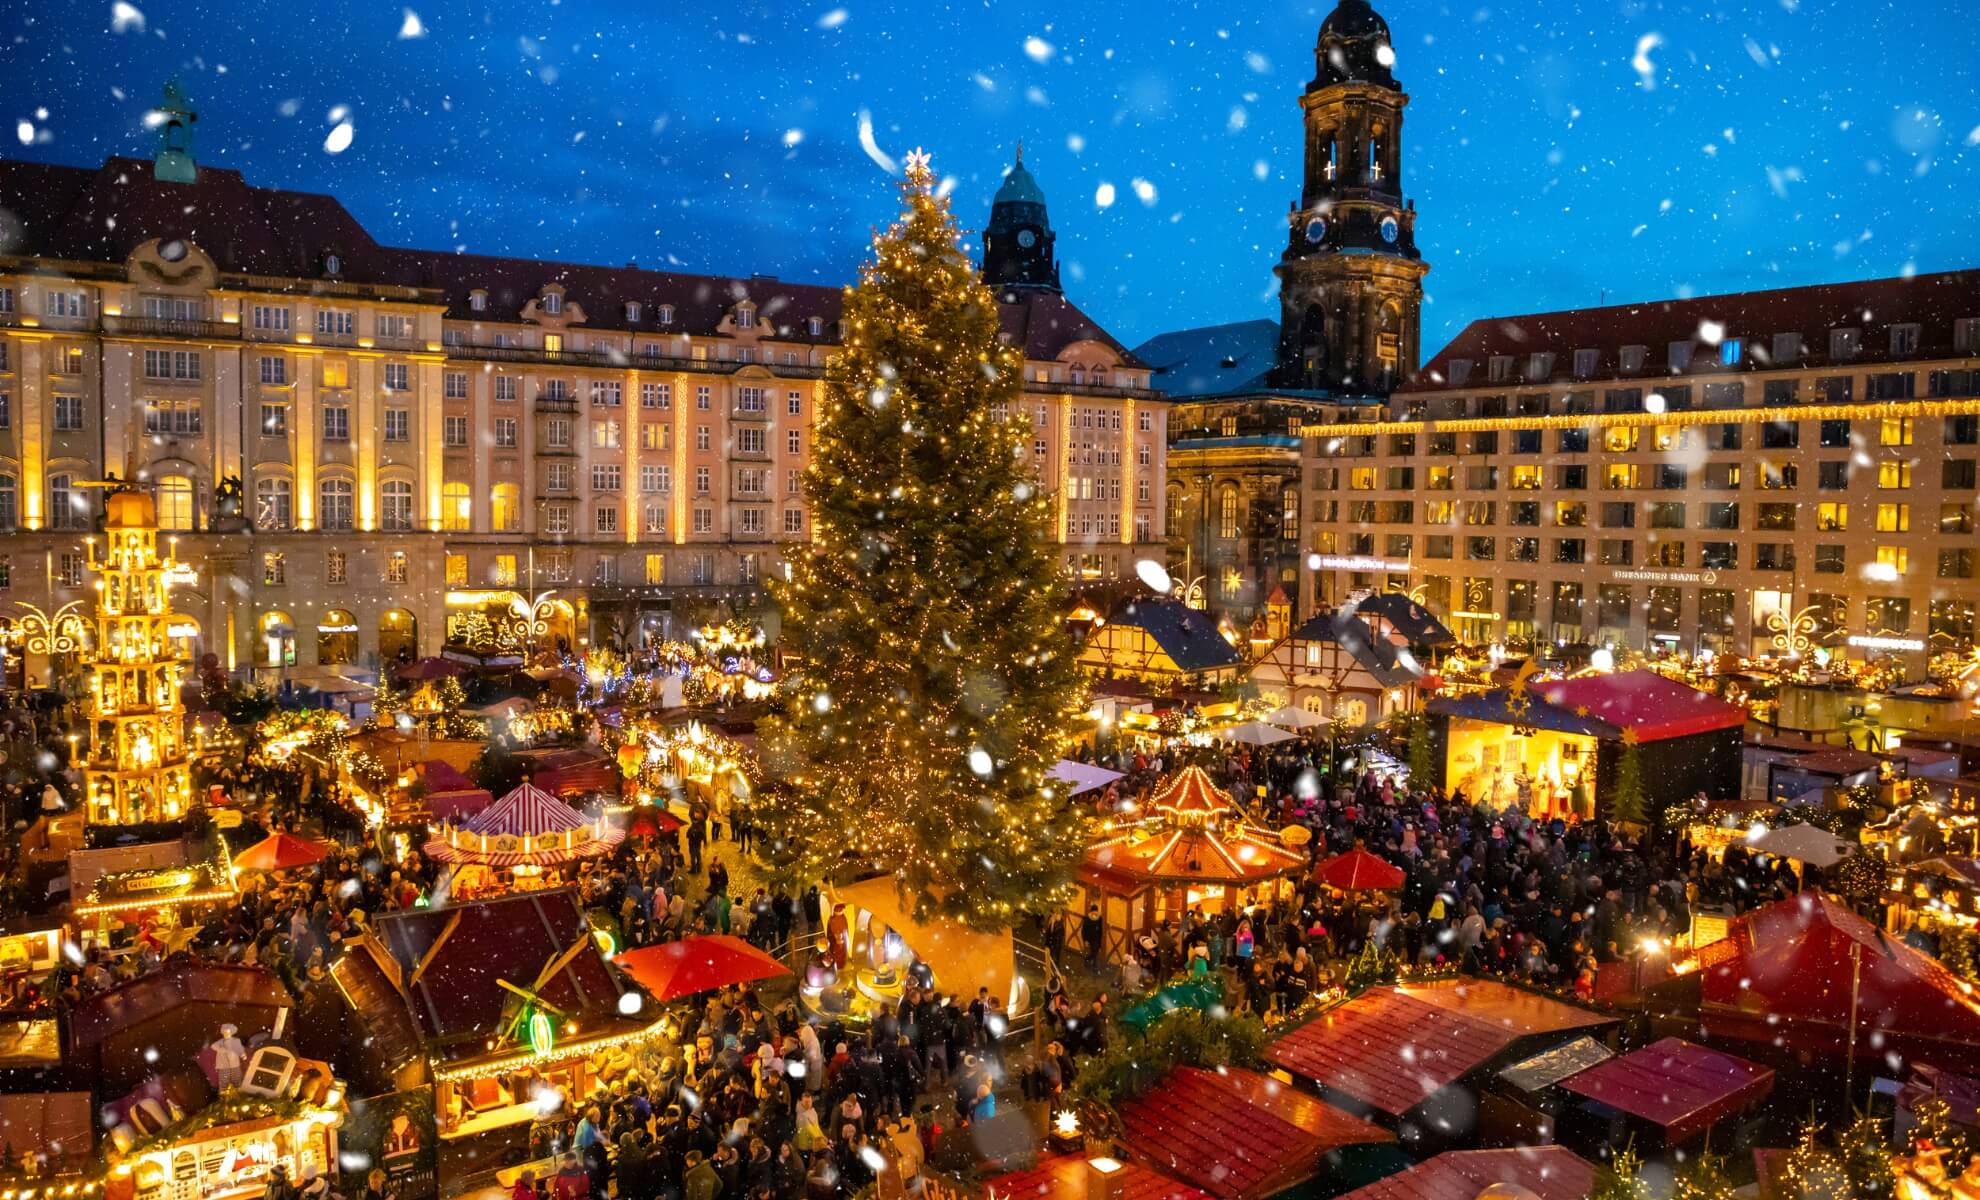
(654, 822)
(279, 852)
(1359, 871)
(671, 970)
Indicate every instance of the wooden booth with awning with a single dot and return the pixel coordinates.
(1190, 847)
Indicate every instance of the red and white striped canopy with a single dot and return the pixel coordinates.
(525, 812)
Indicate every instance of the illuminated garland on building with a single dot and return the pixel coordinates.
(1692, 416)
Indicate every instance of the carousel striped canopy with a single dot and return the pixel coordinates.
(525, 812)
(527, 826)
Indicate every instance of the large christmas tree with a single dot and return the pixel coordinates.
(938, 679)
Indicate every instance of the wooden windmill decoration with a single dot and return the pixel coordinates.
(534, 1021)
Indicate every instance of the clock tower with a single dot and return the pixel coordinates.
(1017, 244)
(1351, 279)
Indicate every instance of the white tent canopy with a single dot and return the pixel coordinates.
(1253, 733)
(1084, 777)
(1803, 843)
(1294, 718)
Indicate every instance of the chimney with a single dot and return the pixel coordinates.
(1103, 1178)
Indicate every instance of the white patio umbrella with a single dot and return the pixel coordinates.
(1253, 733)
(1084, 777)
(1294, 718)
(1803, 843)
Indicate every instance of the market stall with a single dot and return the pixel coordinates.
(1672, 1090)
(155, 890)
(1528, 1173)
(450, 795)
(518, 843)
(874, 942)
(518, 1015)
(1189, 847)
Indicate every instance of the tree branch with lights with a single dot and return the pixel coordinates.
(938, 679)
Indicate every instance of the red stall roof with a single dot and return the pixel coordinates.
(1683, 1087)
(1393, 1048)
(1783, 973)
(1237, 1135)
(1655, 707)
(1549, 1172)
(1063, 1177)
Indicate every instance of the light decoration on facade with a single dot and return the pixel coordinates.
(136, 770)
(1794, 635)
(60, 632)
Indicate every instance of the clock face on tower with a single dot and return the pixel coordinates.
(1390, 230)
(1027, 239)
(1316, 231)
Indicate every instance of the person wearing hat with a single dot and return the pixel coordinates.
(229, 1058)
(572, 1181)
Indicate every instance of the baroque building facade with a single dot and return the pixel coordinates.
(1350, 292)
(357, 447)
(1746, 474)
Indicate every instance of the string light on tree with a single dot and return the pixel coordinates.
(939, 679)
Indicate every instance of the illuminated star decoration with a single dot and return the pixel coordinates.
(1519, 700)
(917, 164)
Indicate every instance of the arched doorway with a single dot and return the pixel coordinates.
(276, 644)
(336, 638)
(184, 632)
(398, 637)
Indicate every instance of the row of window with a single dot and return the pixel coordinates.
(1780, 350)
(1834, 475)
(1887, 563)
(1963, 430)
(1830, 516)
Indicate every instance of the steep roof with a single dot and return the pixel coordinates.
(1930, 301)
(1377, 656)
(1044, 323)
(1549, 1172)
(1414, 622)
(179, 983)
(1212, 360)
(1187, 635)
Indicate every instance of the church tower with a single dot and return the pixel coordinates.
(1017, 244)
(175, 163)
(1351, 280)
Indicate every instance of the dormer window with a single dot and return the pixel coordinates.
(333, 264)
(1680, 356)
(1843, 343)
(1904, 341)
(1787, 348)
(1586, 362)
(814, 325)
(1633, 357)
(1460, 370)
(553, 303)
(1539, 365)
(1500, 368)
(478, 300)
(666, 314)
(1732, 352)
(632, 310)
(745, 316)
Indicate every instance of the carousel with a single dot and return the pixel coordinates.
(1189, 848)
(519, 843)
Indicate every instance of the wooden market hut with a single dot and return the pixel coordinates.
(1338, 665)
(1164, 642)
(468, 982)
(1189, 847)
(1539, 1172)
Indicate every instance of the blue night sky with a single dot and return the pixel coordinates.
(1754, 143)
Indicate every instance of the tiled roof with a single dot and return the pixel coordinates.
(1063, 1177)
(1235, 1134)
(1214, 360)
(1413, 621)
(1393, 1048)
(1931, 302)
(1187, 635)
(103, 214)
(1549, 1172)
(1045, 323)
(1678, 1085)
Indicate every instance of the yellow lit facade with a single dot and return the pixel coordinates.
(135, 771)
(405, 425)
(1694, 475)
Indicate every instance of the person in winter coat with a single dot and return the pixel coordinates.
(701, 1182)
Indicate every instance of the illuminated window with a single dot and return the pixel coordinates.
(1893, 518)
(1360, 479)
(502, 571)
(656, 570)
(397, 568)
(336, 373)
(1526, 478)
(1893, 476)
(457, 570)
(1894, 557)
(1227, 512)
(175, 502)
(1832, 517)
(337, 568)
(1894, 431)
(504, 510)
(1620, 439)
(274, 569)
(456, 508)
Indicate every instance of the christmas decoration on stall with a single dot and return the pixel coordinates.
(1862, 878)
(939, 680)
(1704, 1177)
(1417, 753)
(1371, 967)
(137, 769)
(1866, 1157)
